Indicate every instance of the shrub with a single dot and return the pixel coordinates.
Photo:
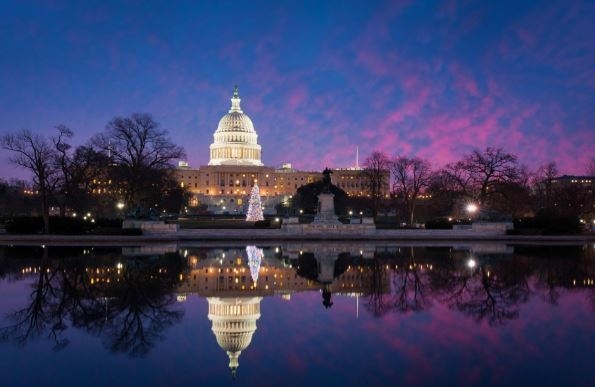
(549, 223)
(108, 222)
(68, 225)
(132, 231)
(263, 223)
(439, 224)
(24, 225)
(64, 225)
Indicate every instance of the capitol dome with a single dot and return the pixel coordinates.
(234, 323)
(235, 140)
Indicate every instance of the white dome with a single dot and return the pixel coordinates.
(235, 121)
(235, 140)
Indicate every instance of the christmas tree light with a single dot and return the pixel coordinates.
(254, 205)
(254, 259)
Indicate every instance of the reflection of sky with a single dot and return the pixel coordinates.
(299, 342)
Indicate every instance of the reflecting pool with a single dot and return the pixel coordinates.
(297, 314)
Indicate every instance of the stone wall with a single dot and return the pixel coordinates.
(499, 228)
(151, 226)
(292, 226)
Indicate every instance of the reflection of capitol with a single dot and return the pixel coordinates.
(234, 281)
(234, 323)
(254, 272)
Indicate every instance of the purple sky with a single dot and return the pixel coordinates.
(431, 79)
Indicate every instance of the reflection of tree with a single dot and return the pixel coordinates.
(486, 292)
(409, 287)
(129, 309)
(377, 289)
(140, 309)
(53, 302)
(558, 269)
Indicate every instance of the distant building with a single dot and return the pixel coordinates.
(584, 181)
(235, 164)
(570, 194)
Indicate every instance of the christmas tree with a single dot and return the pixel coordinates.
(254, 259)
(254, 206)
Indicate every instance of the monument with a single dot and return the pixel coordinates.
(326, 202)
(325, 221)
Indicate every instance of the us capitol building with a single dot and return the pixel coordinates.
(235, 164)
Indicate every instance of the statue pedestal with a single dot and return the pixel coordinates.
(326, 210)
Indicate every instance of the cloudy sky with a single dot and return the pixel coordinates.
(434, 79)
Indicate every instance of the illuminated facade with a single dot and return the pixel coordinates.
(235, 164)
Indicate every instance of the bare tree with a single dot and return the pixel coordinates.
(141, 155)
(376, 172)
(410, 177)
(544, 184)
(455, 177)
(591, 167)
(490, 168)
(79, 172)
(63, 164)
(37, 154)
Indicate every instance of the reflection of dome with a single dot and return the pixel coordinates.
(235, 140)
(234, 323)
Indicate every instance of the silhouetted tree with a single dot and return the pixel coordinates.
(591, 167)
(411, 176)
(141, 156)
(544, 185)
(480, 176)
(490, 168)
(79, 173)
(376, 172)
(37, 154)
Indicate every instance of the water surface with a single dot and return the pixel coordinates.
(298, 314)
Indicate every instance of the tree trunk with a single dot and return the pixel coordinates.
(45, 214)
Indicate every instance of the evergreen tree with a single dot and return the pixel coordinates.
(254, 206)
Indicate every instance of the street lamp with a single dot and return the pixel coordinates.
(471, 208)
